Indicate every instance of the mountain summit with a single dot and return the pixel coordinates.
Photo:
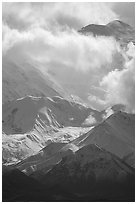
(119, 30)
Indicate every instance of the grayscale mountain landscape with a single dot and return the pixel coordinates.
(68, 102)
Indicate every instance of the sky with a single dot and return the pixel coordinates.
(95, 69)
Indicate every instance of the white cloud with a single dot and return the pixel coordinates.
(108, 112)
(12, 37)
(68, 48)
(74, 15)
(120, 84)
(90, 120)
(63, 53)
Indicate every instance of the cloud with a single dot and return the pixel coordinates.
(63, 53)
(108, 112)
(68, 48)
(90, 120)
(96, 102)
(84, 65)
(120, 84)
(12, 36)
(74, 15)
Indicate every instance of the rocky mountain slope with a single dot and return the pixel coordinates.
(88, 168)
(115, 135)
(91, 173)
(20, 116)
(31, 123)
(21, 78)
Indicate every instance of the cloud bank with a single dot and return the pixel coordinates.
(73, 15)
(68, 48)
(120, 84)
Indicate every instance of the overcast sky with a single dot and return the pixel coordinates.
(47, 32)
(72, 14)
(126, 12)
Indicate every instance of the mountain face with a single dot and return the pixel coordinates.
(115, 135)
(118, 29)
(31, 123)
(20, 116)
(20, 79)
(18, 186)
(97, 165)
(88, 169)
(91, 173)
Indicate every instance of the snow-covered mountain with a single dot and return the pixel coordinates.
(31, 123)
(20, 116)
(118, 29)
(115, 135)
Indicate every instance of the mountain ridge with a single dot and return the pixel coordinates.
(121, 31)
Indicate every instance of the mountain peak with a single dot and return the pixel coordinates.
(121, 31)
(118, 23)
(96, 30)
